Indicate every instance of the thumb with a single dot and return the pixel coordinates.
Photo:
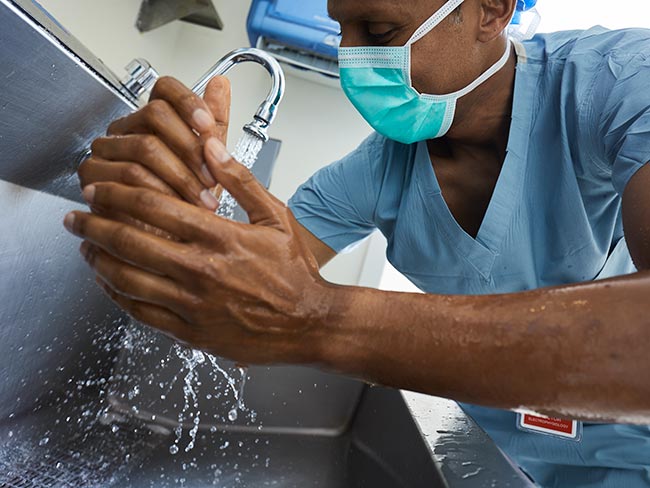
(258, 203)
(217, 97)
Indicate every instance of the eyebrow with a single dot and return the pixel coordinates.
(374, 10)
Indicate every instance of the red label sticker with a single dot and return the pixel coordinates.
(546, 425)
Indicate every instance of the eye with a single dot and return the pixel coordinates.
(380, 32)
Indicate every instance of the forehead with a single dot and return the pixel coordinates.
(372, 10)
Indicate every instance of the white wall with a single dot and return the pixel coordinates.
(316, 124)
(581, 14)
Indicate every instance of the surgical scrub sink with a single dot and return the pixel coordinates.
(79, 409)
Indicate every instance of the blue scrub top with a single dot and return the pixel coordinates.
(580, 130)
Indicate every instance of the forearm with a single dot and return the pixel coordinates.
(578, 351)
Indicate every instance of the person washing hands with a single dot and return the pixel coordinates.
(519, 203)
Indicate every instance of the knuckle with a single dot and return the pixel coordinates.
(120, 279)
(211, 272)
(163, 85)
(134, 309)
(241, 173)
(219, 83)
(246, 175)
(149, 145)
(114, 127)
(133, 174)
(186, 181)
(190, 308)
(96, 145)
(121, 239)
(145, 199)
(155, 110)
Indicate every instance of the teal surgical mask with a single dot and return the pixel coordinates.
(377, 80)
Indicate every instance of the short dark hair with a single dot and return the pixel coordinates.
(457, 15)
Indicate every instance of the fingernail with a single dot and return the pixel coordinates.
(89, 193)
(208, 176)
(68, 222)
(203, 122)
(209, 200)
(217, 150)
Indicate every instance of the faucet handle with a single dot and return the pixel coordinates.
(141, 76)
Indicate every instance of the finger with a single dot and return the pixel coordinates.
(218, 98)
(171, 215)
(160, 119)
(194, 111)
(135, 283)
(153, 154)
(132, 245)
(152, 315)
(258, 203)
(96, 170)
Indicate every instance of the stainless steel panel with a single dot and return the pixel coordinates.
(51, 314)
(59, 35)
(51, 107)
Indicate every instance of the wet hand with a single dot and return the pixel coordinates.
(160, 147)
(248, 292)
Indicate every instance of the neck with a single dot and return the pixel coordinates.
(482, 118)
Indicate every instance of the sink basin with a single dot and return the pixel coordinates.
(300, 427)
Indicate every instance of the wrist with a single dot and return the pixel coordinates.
(341, 336)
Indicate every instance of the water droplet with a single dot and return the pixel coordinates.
(232, 415)
(44, 441)
(173, 449)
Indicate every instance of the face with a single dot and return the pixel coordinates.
(445, 60)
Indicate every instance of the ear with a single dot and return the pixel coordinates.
(495, 18)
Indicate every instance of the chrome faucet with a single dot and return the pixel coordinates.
(141, 77)
(266, 111)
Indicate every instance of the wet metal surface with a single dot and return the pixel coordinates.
(51, 106)
(466, 456)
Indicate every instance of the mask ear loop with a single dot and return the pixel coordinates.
(428, 25)
(434, 20)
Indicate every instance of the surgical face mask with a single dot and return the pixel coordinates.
(377, 80)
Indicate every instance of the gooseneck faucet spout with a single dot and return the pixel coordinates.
(267, 110)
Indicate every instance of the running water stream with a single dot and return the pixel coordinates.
(246, 152)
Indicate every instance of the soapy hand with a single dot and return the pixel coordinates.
(248, 292)
(160, 147)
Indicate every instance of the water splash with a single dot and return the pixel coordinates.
(246, 152)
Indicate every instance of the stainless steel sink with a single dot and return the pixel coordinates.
(70, 412)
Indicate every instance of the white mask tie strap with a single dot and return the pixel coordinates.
(434, 20)
(488, 73)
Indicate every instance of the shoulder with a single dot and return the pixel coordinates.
(584, 47)
(376, 159)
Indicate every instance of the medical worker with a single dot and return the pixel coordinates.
(511, 182)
